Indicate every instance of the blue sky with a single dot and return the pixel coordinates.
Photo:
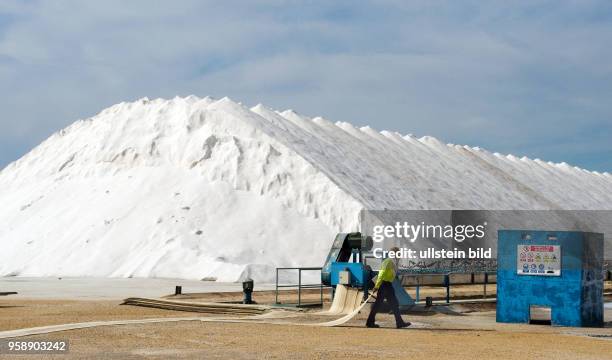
(529, 78)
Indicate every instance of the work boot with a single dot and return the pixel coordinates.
(372, 325)
(403, 324)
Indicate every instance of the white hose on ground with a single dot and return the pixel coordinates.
(84, 325)
(343, 319)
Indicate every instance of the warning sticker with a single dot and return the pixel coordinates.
(543, 260)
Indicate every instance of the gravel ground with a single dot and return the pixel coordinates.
(261, 341)
(456, 332)
(460, 331)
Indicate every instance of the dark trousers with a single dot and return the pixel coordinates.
(385, 292)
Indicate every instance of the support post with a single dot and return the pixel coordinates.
(486, 280)
(299, 287)
(276, 297)
(418, 285)
(447, 283)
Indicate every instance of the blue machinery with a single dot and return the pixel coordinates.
(340, 270)
(345, 247)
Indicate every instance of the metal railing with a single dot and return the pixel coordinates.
(447, 281)
(446, 268)
(299, 285)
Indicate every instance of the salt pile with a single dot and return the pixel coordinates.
(201, 188)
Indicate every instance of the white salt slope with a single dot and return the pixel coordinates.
(196, 188)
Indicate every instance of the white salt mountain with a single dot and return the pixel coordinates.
(197, 188)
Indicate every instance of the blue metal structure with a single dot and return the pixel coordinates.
(560, 270)
(359, 274)
(345, 246)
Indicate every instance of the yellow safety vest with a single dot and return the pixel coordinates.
(386, 273)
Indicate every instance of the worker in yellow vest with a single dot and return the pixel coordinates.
(384, 290)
